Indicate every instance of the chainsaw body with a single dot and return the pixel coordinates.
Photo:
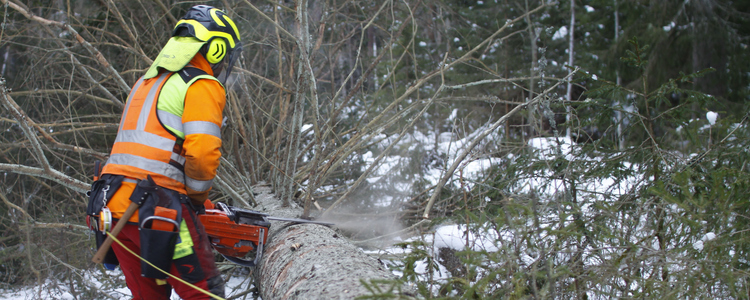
(236, 232)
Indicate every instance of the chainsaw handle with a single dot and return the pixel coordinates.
(104, 248)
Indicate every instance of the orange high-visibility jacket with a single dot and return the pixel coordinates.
(171, 130)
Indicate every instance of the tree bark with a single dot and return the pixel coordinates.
(309, 261)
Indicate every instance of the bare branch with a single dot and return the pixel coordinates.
(22, 119)
(267, 18)
(51, 174)
(460, 158)
(95, 52)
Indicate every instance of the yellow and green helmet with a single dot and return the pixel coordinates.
(212, 26)
(207, 23)
(203, 29)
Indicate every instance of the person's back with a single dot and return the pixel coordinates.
(169, 140)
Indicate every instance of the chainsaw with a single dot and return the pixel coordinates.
(236, 232)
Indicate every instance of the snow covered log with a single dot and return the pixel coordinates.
(308, 261)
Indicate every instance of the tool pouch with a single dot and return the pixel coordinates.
(101, 191)
(160, 216)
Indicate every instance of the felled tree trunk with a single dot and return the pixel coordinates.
(308, 261)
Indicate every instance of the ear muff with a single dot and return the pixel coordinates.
(217, 50)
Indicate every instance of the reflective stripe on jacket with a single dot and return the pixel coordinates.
(143, 146)
(170, 129)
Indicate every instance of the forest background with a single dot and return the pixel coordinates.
(612, 135)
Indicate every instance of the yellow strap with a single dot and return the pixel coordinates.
(185, 246)
(160, 270)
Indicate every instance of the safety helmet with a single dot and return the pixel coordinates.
(221, 36)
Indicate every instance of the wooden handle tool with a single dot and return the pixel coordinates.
(102, 252)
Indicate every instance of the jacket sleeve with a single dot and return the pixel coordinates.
(201, 120)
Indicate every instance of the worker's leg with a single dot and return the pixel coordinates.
(198, 268)
(140, 287)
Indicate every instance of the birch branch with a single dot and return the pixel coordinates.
(113, 8)
(91, 49)
(307, 71)
(267, 18)
(264, 79)
(167, 13)
(26, 123)
(229, 170)
(35, 224)
(59, 226)
(497, 80)
(61, 91)
(22, 119)
(466, 56)
(227, 188)
(16, 207)
(51, 174)
(359, 49)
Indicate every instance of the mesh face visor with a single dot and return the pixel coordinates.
(224, 69)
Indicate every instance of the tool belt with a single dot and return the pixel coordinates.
(160, 214)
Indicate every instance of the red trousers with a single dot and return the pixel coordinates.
(147, 288)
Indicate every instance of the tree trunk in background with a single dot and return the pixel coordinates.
(534, 31)
(709, 51)
(618, 114)
(310, 261)
(569, 114)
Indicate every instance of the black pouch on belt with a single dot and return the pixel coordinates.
(160, 216)
(101, 191)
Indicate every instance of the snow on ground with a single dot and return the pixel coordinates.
(60, 291)
(455, 237)
(447, 145)
(53, 289)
